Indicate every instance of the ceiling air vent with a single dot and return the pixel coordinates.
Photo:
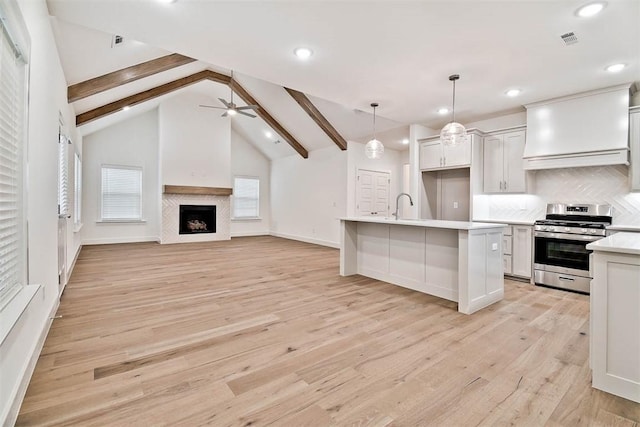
(569, 38)
(117, 40)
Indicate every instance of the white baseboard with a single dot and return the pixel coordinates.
(114, 240)
(307, 240)
(21, 390)
(249, 233)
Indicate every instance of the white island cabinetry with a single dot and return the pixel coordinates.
(615, 315)
(455, 260)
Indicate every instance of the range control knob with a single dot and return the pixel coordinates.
(593, 231)
(583, 230)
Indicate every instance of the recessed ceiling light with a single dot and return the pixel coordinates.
(126, 108)
(405, 141)
(303, 53)
(167, 1)
(591, 9)
(615, 68)
(513, 92)
(268, 134)
(443, 110)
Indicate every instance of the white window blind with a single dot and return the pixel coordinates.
(63, 175)
(77, 191)
(12, 141)
(121, 193)
(246, 197)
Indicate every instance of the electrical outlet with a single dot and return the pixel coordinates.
(455, 205)
(494, 246)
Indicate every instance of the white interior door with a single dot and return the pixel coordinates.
(372, 192)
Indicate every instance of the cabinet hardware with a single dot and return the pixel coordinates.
(505, 185)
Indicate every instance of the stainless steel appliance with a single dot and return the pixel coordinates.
(561, 259)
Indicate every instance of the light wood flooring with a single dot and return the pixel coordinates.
(258, 331)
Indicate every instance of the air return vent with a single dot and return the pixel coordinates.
(116, 40)
(569, 38)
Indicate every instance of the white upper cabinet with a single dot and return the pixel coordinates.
(503, 165)
(434, 155)
(634, 143)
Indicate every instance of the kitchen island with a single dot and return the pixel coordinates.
(455, 260)
(615, 315)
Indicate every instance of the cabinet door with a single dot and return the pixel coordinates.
(493, 163)
(521, 251)
(506, 261)
(431, 155)
(514, 174)
(457, 155)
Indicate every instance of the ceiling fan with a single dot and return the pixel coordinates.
(231, 108)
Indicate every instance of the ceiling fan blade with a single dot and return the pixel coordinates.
(225, 114)
(226, 104)
(246, 114)
(248, 107)
(211, 106)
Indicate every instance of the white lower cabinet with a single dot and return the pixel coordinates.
(517, 243)
(615, 319)
(634, 145)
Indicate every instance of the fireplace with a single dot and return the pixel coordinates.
(197, 219)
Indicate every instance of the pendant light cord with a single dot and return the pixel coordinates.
(374, 123)
(453, 107)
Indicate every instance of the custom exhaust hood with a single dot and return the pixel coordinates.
(586, 129)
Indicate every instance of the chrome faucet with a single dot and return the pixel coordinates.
(398, 202)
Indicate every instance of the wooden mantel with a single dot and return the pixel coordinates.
(203, 191)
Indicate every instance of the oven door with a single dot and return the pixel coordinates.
(562, 253)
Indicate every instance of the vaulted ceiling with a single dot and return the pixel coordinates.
(394, 52)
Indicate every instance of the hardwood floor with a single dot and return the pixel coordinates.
(262, 330)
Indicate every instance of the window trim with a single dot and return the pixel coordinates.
(233, 208)
(104, 220)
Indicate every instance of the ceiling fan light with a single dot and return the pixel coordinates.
(374, 149)
(453, 134)
(232, 112)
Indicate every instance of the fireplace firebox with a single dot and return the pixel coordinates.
(197, 219)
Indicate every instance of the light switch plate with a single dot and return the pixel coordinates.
(494, 246)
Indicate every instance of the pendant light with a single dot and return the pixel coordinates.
(453, 133)
(374, 148)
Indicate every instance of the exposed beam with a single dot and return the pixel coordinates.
(132, 100)
(155, 92)
(264, 115)
(126, 75)
(317, 117)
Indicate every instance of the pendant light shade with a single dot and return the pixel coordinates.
(453, 133)
(374, 148)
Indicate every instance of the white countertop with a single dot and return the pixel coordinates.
(616, 227)
(624, 243)
(428, 223)
(507, 221)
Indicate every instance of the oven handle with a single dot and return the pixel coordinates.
(568, 279)
(567, 236)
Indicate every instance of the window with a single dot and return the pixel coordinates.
(246, 197)
(13, 272)
(77, 191)
(121, 193)
(63, 175)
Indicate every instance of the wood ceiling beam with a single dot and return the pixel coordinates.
(264, 115)
(155, 92)
(306, 104)
(140, 97)
(126, 75)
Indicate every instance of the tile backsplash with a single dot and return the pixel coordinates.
(600, 184)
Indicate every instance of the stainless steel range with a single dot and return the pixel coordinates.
(561, 259)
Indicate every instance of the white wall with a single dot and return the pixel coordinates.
(309, 195)
(391, 161)
(501, 122)
(246, 160)
(47, 96)
(132, 142)
(195, 143)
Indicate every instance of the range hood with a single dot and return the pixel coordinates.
(586, 129)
